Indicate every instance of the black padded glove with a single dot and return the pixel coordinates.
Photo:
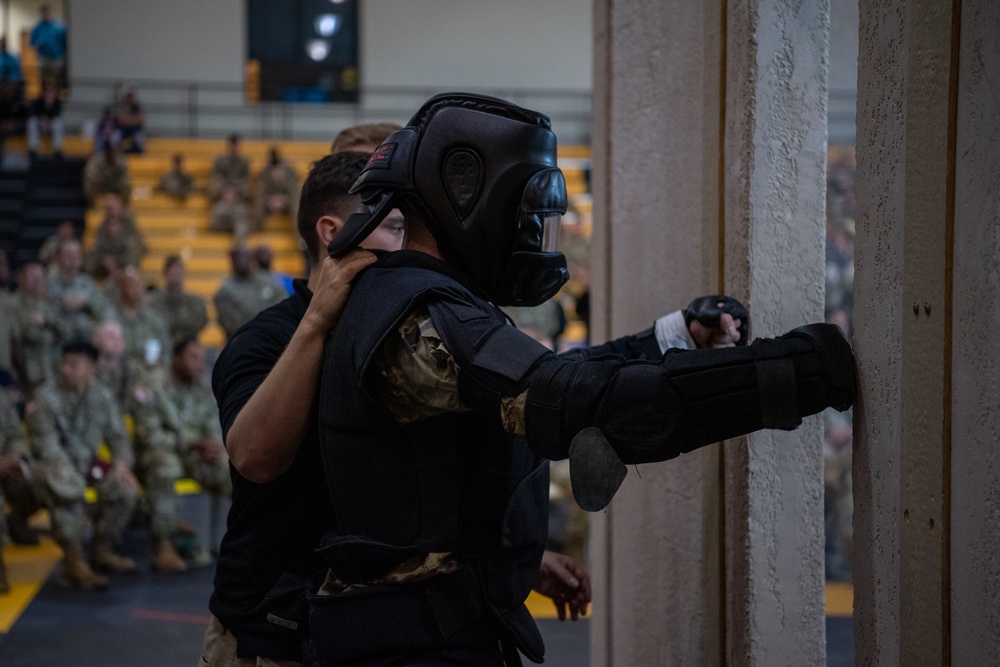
(708, 311)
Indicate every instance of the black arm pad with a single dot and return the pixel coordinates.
(655, 411)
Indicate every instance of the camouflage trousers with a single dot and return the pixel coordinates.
(61, 488)
(160, 469)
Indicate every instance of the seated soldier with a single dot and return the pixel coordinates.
(35, 327)
(230, 171)
(72, 417)
(107, 172)
(277, 188)
(243, 293)
(75, 297)
(230, 214)
(147, 343)
(64, 232)
(114, 242)
(177, 434)
(176, 183)
(184, 313)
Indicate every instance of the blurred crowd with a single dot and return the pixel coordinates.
(838, 434)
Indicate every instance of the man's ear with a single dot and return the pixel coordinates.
(326, 228)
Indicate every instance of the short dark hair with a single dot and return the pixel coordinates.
(81, 346)
(171, 260)
(326, 192)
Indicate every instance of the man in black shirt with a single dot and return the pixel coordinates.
(265, 381)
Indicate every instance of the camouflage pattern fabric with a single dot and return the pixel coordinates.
(184, 313)
(167, 423)
(417, 378)
(66, 429)
(79, 303)
(240, 299)
(36, 330)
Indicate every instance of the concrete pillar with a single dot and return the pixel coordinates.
(657, 139)
(927, 466)
(975, 317)
(709, 174)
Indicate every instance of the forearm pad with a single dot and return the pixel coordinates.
(652, 411)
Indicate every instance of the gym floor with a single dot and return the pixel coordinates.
(157, 620)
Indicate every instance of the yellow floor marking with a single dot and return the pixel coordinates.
(542, 607)
(839, 599)
(27, 570)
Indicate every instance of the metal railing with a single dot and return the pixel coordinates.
(213, 109)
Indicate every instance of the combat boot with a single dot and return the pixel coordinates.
(77, 573)
(166, 558)
(104, 558)
(4, 584)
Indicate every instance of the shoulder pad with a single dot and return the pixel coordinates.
(485, 347)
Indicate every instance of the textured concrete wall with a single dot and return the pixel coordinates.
(656, 149)
(666, 137)
(902, 332)
(975, 506)
(775, 189)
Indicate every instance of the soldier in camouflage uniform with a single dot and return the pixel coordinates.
(107, 172)
(146, 339)
(114, 246)
(76, 298)
(230, 214)
(15, 490)
(277, 188)
(71, 419)
(176, 183)
(242, 294)
(230, 170)
(114, 370)
(35, 327)
(47, 253)
(184, 313)
(178, 433)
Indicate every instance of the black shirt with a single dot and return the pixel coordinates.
(273, 528)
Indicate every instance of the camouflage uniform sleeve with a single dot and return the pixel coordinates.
(115, 436)
(43, 431)
(415, 376)
(224, 308)
(150, 430)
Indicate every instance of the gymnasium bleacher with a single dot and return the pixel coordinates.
(181, 228)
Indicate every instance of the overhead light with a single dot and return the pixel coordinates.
(337, 2)
(326, 24)
(318, 49)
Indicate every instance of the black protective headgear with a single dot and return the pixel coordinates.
(482, 173)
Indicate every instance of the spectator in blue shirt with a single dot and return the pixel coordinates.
(10, 68)
(49, 39)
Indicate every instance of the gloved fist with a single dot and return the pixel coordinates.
(705, 321)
